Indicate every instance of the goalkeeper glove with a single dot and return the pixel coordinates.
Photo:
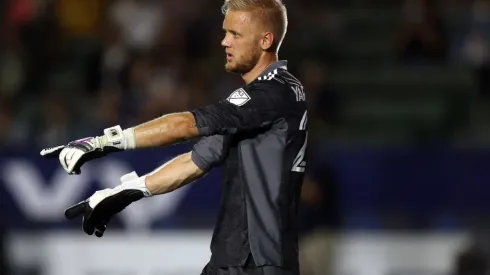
(73, 155)
(98, 210)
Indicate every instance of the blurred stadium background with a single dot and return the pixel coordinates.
(399, 93)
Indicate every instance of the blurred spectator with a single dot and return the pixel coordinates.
(79, 19)
(6, 121)
(35, 36)
(199, 30)
(21, 12)
(421, 38)
(4, 264)
(139, 76)
(477, 40)
(323, 102)
(319, 217)
(319, 34)
(319, 198)
(471, 261)
(11, 71)
(140, 22)
(476, 45)
(53, 126)
(114, 57)
(18, 15)
(108, 112)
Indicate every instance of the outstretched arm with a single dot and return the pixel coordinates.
(99, 209)
(184, 169)
(162, 131)
(174, 174)
(223, 118)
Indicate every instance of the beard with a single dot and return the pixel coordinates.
(245, 64)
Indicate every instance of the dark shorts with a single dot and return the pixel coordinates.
(237, 270)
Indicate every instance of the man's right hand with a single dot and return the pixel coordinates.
(73, 155)
(103, 205)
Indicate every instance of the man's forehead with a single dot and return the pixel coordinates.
(237, 18)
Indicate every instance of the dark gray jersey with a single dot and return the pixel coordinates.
(258, 135)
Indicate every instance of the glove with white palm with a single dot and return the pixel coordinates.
(99, 209)
(73, 155)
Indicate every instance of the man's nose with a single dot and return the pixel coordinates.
(225, 42)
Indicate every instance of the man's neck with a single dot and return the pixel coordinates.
(264, 62)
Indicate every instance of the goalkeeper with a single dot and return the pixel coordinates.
(258, 135)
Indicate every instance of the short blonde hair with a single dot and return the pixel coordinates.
(272, 12)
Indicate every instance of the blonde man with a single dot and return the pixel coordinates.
(258, 135)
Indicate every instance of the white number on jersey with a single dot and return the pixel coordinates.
(299, 164)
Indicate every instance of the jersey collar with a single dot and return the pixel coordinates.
(281, 64)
